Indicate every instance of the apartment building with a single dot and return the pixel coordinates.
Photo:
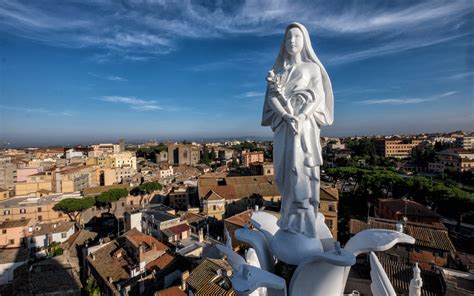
(35, 183)
(75, 179)
(124, 159)
(7, 173)
(13, 233)
(165, 170)
(456, 160)
(397, 148)
(42, 235)
(248, 157)
(38, 209)
(98, 150)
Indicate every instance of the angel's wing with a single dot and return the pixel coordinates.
(380, 285)
(266, 223)
(235, 260)
(376, 240)
(251, 278)
(258, 242)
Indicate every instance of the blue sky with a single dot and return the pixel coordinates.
(87, 71)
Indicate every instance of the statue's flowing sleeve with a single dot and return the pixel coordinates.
(269, 116)
(324, 112)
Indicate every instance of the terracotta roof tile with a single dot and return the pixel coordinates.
(138, 238)
(245, 186)
(14, 223)
(201, 278)
(240, 219)
(48, 228)
(412, 208)
(160, 263)
(400, 275)
(424, 236)
(177, 229)
(171, 291)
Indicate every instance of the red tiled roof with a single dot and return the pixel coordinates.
(212, 195)
(160, 263)
(171, 291)
(424, 236)
(400, 275)
(412, 208)
(240, 219)
(200, 279)
(192, 217)
(138, 238)
(174, 230)
(329, 194)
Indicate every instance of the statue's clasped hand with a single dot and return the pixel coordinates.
(292, 121)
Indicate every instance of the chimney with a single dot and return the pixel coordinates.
(184, 277)
(201, 235)
(141, 253)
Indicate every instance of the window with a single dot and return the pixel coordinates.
(6, 212)
(22, 211)
(63, 235)
(214, 208)
(60, 215)
(12, 242)
(40, 218)
(39, 209)
(4, 231)
(331, 208)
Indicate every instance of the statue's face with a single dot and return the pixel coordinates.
(294, 41)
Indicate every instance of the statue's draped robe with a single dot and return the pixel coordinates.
(297, 157)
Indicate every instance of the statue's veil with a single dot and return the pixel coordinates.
(308, 56)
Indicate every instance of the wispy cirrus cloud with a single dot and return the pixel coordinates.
(251, 94)
(39, 110)
(406, 101)
(390, 48)
(108, 77)
(463, 75)
(133, 103)
(138, 31)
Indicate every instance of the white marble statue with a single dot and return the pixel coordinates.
(298, 101)
(416, 282)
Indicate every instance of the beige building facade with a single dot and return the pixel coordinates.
(397, 148)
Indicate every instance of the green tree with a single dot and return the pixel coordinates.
(91, 288)
(234, 163)
(362, 147)
(205, 156)
(54, 249)
(447, 199)
(107, 197)
(150, 187)
(423, 154)
(146, 188)
(74, 207)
